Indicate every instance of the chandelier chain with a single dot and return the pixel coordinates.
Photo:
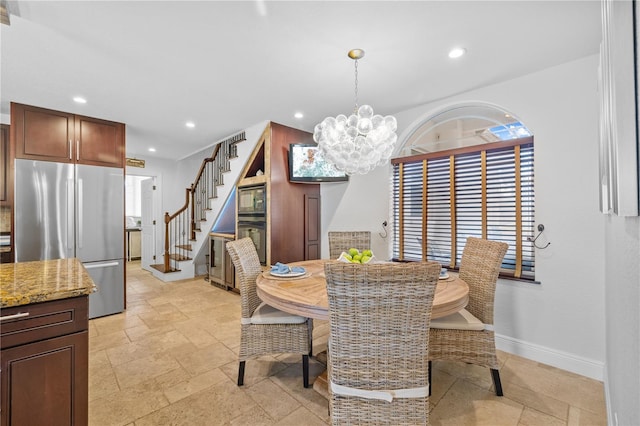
(355, 108)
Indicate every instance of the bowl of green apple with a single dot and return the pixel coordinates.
(353, 255)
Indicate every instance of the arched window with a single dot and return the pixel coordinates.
(465, 171)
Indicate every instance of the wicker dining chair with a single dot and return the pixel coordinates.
(340, 241)
(265, 330)
(379, 318)
(468, 335)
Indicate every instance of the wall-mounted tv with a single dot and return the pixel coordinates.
(306, 165)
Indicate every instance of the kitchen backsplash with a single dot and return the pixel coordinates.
(5, 219)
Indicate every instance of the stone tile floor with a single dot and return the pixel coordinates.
(171, 359)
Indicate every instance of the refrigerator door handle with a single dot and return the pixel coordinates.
(80, 215)
(99, 265)
(70, 242)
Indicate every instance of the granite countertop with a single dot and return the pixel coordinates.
(24, 283)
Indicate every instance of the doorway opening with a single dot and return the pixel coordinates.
(140, 221)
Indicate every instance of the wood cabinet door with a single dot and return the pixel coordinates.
(312, 215)
(99, 142)
(46, 382)
(42, 134)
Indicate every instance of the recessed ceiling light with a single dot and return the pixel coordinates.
(80, 100)
(457, 52)
(298, 115)
(190, 124)
(152, 150)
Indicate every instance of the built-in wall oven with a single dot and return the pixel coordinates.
(256, 230)
(252, 218)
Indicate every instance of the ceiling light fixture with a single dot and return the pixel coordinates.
(360, 142)
(298, 115)
(190, 124)
(152, 150)
(457, 52)
(79, 100)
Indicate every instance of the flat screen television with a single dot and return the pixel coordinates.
(306, 165)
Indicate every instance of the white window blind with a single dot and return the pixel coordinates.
(442, 198)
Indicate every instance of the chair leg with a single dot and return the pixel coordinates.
(305, 370)
(430, 377)
(241, 373)
(311, 338)
(495, 374)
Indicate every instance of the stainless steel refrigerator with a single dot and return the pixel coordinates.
(66, 210)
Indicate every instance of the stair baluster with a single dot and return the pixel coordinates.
(181, 227)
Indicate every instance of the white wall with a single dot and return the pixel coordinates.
(361, 204)
(561, 320)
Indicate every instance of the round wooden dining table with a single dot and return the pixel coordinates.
(306, 295)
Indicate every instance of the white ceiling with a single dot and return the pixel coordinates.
(227, 65)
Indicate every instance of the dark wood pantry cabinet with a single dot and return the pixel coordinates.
(44, 134)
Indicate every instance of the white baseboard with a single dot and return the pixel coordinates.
(559, 359)
(612, 418)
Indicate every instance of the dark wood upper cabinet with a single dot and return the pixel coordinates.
(99, 142)
(44, 134)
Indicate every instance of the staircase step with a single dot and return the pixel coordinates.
(160, 267)
(178, 257)
(184, 247)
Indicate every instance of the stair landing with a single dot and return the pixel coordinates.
(160, 267)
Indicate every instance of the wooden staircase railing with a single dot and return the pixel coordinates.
(180, 228)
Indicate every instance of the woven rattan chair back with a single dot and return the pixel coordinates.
(379, 336)
(340, 241)
(245, 258)
(479, 268)
(264, 339)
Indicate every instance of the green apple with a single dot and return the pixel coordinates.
(367, 253)
(365, 259)
(353, 251)
(357, 257)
